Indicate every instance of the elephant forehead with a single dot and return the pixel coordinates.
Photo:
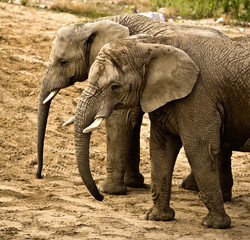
(63, 49)
(103, 73)
(73, 32)
(65, 33)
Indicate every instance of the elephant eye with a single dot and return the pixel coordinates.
(114, 87)
(63, 62)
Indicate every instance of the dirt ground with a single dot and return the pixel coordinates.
(59, 206)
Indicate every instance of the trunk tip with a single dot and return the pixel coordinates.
(39, 175)
(99, 197)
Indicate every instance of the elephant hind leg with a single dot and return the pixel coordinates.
(203, 159)
(189, 183)
(225, 173)
(225, 176)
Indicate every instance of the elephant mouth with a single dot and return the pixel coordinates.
(73, 80)
(55, 91)
(97, 121)
(118, 106)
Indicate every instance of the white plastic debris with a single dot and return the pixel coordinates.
(220, 20)
(154, 15)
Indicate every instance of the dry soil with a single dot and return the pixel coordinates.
(59, 206)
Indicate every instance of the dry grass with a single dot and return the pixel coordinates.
(93, 8)
(170, 8)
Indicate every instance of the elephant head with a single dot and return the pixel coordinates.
(127, 73)
(73, 51)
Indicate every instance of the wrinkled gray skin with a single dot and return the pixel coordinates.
(242, 39)
(73, 51)
(196, 91)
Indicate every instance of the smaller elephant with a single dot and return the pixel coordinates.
(196, 91)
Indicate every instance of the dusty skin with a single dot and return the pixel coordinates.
(59, 206)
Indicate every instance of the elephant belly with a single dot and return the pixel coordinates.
(236, 127)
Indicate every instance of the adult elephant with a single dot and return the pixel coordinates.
(196, 91)
(189, 182)
(73, 52)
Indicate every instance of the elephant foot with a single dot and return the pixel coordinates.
(112, 187)
(135, 181)
(189, 183)
(215, 220)
(157, 215)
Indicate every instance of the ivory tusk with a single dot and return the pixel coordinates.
(69, 122)
(93, 126)
(51, 95)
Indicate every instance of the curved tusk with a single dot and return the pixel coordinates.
(93, 126)
(70, 121)
(51, 95)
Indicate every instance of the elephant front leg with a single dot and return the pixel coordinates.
(133, 177)
(163, 152)
(118, 143)
(123, 153)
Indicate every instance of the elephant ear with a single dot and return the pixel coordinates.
(103, 32)
(169, 75)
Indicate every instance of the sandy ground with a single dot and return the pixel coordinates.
(59, 206)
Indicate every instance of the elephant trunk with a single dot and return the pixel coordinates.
(43, 111)
(83, 118)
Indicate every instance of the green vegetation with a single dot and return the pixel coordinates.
(196, 9)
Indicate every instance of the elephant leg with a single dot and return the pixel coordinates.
(203, 156)
(225, 173)
(123, 151)
(225, 176)
(133, 177)
(163, 152)
(189, 183)
(118, 143)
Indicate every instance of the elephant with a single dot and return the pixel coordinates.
(73, 52)
(196, 92)
(189, 182)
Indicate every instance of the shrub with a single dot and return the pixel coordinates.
(239, 9)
